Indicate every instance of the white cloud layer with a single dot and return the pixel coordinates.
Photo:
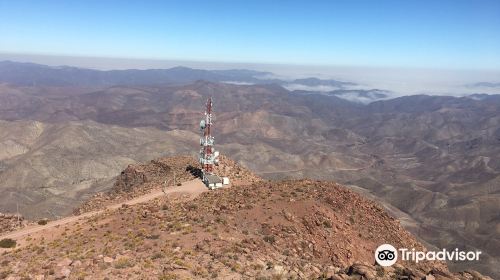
(401, 81)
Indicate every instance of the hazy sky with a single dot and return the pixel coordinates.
(431, 34)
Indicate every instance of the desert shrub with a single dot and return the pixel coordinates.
(43, 222)
(122, 263)
(276, 277)
(192, 206)
(270, 239)
(399, 271)
(323, 277)
(153, 236)
(7, 243)
(380, 271)
(257, 266)
(168, 276)
(221, 221)
(157, 256)
(235, 267)
(4, 274)
(269, 265)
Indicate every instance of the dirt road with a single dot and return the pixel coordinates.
(193, 188)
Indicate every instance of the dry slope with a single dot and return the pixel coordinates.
(138, 179)
(267, 230)
(49, 168)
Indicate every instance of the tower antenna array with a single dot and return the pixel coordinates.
(208, 155)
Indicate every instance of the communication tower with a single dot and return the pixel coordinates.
(208, 155)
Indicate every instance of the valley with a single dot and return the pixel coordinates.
(434, 158)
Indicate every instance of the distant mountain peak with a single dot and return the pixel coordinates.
(485, 84)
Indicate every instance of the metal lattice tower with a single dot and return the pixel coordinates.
(208, 155)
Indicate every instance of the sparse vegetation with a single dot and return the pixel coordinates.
(219, 237)
(270, 239)
(351, 220)
(157, 256)
(327, 224)
(380, 271)
(153, 236)
(5, 273)
(7, 243)
(168, 276)
(122, 263)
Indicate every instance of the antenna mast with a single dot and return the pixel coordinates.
(208, 155)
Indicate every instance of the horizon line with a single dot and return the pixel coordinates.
(219, 63)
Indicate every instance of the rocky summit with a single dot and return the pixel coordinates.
(293, 229)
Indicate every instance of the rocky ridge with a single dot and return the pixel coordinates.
(139, 179)
(10, 222)
(297, 229)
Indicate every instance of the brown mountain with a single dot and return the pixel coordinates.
(300, 229)
(47, 168)
(434, 158)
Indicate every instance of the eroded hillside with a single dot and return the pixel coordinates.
(47, 169)
(268, 230)
(433, 157)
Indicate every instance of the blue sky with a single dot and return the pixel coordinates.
(434, 34)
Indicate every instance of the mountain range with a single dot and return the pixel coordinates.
(434, 160)
(30, 74)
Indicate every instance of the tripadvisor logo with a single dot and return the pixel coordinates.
(387, 255)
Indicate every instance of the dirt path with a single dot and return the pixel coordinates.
(193, 188)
